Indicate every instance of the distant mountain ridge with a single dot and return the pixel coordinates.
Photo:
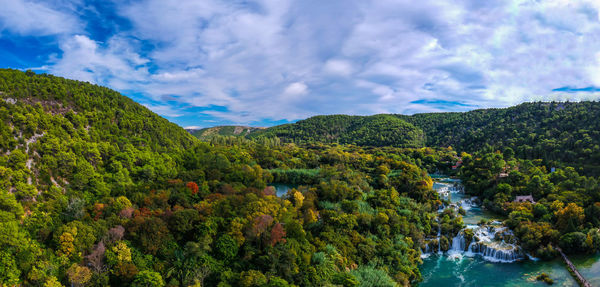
(207, 133)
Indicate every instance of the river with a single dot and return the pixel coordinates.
(459, 268)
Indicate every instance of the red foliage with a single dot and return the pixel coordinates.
(127, 212)
(277, 234)
(193, 187)
(98, 208)
(260, 225)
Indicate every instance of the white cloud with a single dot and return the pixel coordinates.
(114, 63)
(258, 59)
(295, 89)
(35, 18)
(339, 67)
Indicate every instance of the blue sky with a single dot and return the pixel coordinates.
(204, 63)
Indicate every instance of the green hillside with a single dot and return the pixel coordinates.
(56, 131)
(96, 190)
(558, 133)
(377, 130)
(532, 130)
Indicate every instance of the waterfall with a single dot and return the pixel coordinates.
(439, 235)
(492, 242)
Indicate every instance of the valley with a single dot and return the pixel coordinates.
(97, 190)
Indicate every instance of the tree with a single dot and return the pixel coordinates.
(9, 272)
(277, 234)
(96, 258)
(570, 218)
(193, 187)
(573, 242)
(148, 278)
(226, 247)
(372, 277)
(52, 282)
(79, 275)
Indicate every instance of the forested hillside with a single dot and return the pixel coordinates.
(561, 134)
(96, 190)
(378, 130)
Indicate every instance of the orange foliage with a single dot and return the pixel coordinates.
(193, 187)
(277, 234)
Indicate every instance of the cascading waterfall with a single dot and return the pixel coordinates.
(493, 241)
(439, 235)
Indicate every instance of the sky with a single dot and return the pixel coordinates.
(202, 63)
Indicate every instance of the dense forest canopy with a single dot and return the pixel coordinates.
(559, 133)
(97, 190)
(378, 130)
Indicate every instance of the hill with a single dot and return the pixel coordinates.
(531, 130)
(377, 130)
(208, 133)
(559, 133)
(57, 131)
(96, 190)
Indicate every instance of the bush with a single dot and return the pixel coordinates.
(573, 242)
(371, 277)
(545, 278)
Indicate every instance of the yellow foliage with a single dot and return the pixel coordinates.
(122, 251)
(52, 282)
(66, 243)
(310, 216)
(122, 202)
(236, 227)
(298, 199)
(79, 275)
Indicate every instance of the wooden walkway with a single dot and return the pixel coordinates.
(578, 277)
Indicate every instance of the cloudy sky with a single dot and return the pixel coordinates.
(204, 62)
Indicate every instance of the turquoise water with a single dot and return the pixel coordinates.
(281, 188)
(589, 267)
(441, 270)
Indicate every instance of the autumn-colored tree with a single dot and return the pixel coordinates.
(570, 218)
(79, 275)
(52, 282)
(193, 187)
(119, 253)
(277, 234)
(260, 225)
